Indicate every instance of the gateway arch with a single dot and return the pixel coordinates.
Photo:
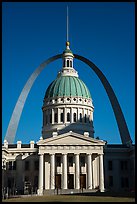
(14, 121)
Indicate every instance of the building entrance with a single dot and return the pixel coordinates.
(58, 181)
(82, 181)
(70, 181)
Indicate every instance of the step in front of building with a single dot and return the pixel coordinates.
(68, 191)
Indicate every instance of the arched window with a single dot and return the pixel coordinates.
(46, 118)
(63, 63)
(85, 118)
(62, 117)
(55, 117)
(70, 63)
(74, 117)
(68, 117)
(50, 117)
(67, 63)
(80, 117)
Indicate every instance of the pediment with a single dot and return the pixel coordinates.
(70, 139)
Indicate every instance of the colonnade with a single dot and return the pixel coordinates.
(90, 178)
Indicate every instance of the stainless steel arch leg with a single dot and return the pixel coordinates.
(13, 124)
(122, 126)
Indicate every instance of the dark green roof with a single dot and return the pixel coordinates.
(67, 86)
(67, 51)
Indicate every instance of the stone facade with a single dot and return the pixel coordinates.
(68, 163)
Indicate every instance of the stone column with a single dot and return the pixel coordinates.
(77, 172)
(101, 173)
(40, 189)
(65, 186)
(89, 173)
(52, 171)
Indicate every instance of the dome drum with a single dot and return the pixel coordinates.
(68, 116)
(67, 100)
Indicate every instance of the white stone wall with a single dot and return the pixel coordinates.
(21, 154)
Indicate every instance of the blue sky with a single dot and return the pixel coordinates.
(103, 32)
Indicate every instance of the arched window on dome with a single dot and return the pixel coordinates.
(55, 116)
(68, 117)
(62, 117)
(50, 116)
(46, 118)
(74, 117)
(63, 63)
(80, 117)
(70, 63)
(85, 118)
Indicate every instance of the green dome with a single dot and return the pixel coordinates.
(67, 86)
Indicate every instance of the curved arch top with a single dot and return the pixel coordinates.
(14, 121)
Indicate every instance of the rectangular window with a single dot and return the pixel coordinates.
(10, 165)
(14, 165)
(123, 165)
(110, 181)
(36, 165)
(70, 160)
(58, 159)
(27, 166)
(124, 182)
(110, 165)
(35, 181)
(26, 178)
(82, 160)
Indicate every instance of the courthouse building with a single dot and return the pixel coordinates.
(67, 158)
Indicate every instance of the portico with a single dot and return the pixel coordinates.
(70, 161)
